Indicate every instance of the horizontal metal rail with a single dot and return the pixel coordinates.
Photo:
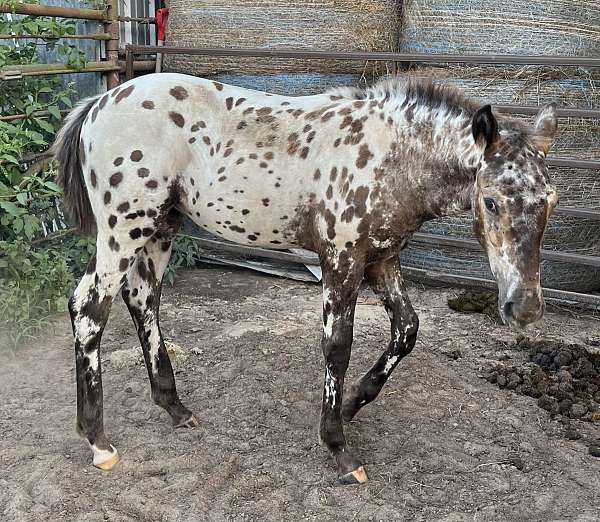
(572, 162)
(499, 59)
(139, 20)
(50, 10)
(560, 112)
(411, 272)
(469, 244)
(460, 280)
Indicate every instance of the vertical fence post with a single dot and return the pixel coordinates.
(112, 45)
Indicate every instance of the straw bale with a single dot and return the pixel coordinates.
(550, 27)
(330, 25)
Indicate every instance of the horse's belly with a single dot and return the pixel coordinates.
(250, 219)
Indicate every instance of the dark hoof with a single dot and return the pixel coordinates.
(350, 408)
(358, 476)
(348, 412)
(190, 422)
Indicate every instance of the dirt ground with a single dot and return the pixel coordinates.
(440, 444)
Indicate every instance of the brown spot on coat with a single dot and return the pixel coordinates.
(123, 207)
(229, 103)
(115, 179)
(177, 118)
(364, 155)
(118, 161)
(197, 126)
(124, 93)
(360, 200)
(179, 93)
(136, 155)
(93, 178)
(152, 184)
(148, 104)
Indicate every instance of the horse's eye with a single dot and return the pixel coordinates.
(490, 204)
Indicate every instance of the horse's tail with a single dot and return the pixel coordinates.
(66, 149)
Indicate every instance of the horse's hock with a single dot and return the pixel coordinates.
(433, 26)
(539, 27)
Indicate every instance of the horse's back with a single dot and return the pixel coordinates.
(243, 164)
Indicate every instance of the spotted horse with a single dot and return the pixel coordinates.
(350, 174)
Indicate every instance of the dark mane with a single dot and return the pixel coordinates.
(418, 90)
(434, 95)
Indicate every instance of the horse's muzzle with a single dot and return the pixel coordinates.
(524, 306)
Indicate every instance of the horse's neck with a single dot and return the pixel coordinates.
(446, 157)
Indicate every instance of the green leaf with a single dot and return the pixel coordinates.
(52, 186)
(10, 207)
(45, 125)
(55, 111)
(22, 198)
(10, 158)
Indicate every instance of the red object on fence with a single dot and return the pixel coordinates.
(162, 16)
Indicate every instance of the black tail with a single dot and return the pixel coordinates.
(66, 149)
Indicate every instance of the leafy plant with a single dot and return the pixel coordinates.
(184, 254)
(36, 276)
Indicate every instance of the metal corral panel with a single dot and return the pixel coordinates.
(539, 27)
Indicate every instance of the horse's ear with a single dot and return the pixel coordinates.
(545, 128)
(485, 127)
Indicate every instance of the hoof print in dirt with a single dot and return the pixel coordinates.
(564, 378)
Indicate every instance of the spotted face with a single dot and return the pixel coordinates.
(512, 202)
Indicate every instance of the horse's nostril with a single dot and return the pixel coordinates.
(508, 309)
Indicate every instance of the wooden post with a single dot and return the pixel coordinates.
(49, 10)
(112, 45)
(16, 72)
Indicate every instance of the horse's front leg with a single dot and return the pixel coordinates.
(340, 289)
(386, 280)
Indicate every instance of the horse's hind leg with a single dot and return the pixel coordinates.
(89, 308)
(141, 293)
(386, 280)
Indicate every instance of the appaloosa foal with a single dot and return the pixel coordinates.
(350, 174)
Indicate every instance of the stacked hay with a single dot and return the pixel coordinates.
(327, 25)
(543, 27)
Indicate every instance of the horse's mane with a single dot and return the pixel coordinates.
(422, 91)
(428, 93)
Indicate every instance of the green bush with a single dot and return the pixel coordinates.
(37, 274)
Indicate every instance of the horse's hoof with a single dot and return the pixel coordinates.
(105, 459)
(358, 476)
(190, 422)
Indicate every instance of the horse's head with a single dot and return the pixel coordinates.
(512, 202)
